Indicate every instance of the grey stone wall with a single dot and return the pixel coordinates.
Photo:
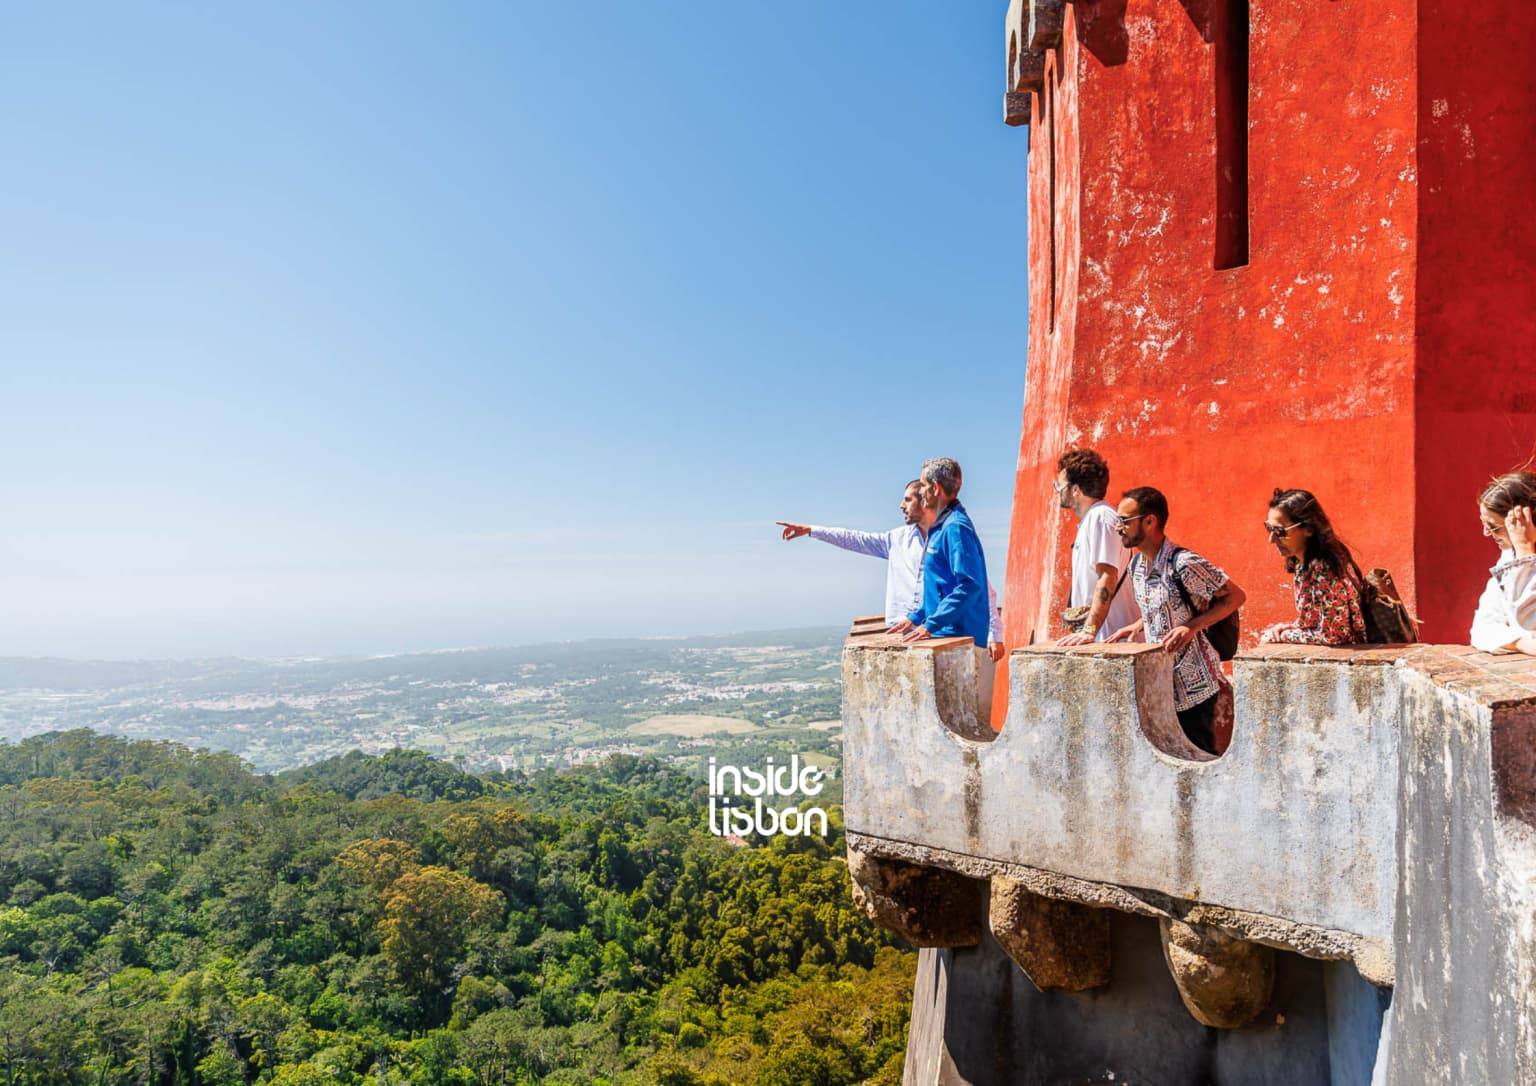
(976, 1020)
(1372, 822)
(1465, 908)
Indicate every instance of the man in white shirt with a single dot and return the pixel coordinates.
(1098, 557)
(903, 550)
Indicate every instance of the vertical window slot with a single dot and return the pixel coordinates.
(1231, 64)
(1049, 101)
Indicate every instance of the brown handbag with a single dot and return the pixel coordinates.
(1387, 618)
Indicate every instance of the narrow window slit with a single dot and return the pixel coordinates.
(1231, 64)
(1049, 101)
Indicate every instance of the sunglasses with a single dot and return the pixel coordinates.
(1275, 531)
(1125, 522)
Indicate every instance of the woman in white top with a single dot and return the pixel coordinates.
(1506, 614)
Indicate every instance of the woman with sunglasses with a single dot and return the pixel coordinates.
(1327, 581)
(1506, 614)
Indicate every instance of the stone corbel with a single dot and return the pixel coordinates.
(1060, 945)
(1045, 19)
(1224, 982)
(926, 906)
(1025, 63)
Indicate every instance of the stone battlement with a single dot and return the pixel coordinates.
(1375, 807)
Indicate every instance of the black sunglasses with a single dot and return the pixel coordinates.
(1275, 531)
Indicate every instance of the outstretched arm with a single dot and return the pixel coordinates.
(874, 544)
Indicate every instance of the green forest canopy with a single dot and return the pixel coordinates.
(169, 917)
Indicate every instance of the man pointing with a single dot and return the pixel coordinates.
(903, 550)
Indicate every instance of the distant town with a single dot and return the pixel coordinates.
(513, 709)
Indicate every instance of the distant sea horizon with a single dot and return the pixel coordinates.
(13, 667)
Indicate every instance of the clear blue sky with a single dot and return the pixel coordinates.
(353, 328)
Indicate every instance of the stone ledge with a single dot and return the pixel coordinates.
(1495, 681)
(1487, 678)
(1354, 655)
(1363, 655)
(869, 633)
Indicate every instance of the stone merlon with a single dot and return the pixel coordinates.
(1375, 807)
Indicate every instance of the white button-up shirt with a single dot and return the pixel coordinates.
(903, 550)
(1507, 610)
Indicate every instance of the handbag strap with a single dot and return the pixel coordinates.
(1123, 574)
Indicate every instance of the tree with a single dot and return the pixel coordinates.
(428, 915)
(39, 1033)
(261, 1019)
(478, 832)
(284, 933)
(303, 1074)
(502, 1047)
(377, 862)
(221, 1067)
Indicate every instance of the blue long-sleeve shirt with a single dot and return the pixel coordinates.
(954, 580)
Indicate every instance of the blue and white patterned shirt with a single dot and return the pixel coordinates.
(1197, 668)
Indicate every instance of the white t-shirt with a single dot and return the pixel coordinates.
(1097, 544)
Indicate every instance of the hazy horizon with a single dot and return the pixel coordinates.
(282, 658)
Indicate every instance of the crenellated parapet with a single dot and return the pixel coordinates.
(1374, 810)
(1032, 28)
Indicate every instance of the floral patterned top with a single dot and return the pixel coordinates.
(1327, 610)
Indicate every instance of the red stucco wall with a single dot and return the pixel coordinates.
(1475, 309)
(1375, 349)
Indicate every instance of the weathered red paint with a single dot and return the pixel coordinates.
(1376, 349)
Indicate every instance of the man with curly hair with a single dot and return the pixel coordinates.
(1098, 558)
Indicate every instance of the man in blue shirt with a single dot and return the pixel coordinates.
(903, 548)
(954, 576)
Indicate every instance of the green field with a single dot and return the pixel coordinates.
(692, 726)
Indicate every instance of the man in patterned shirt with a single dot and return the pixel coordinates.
(1157, 570)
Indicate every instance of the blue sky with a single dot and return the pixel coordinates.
(367, 328)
